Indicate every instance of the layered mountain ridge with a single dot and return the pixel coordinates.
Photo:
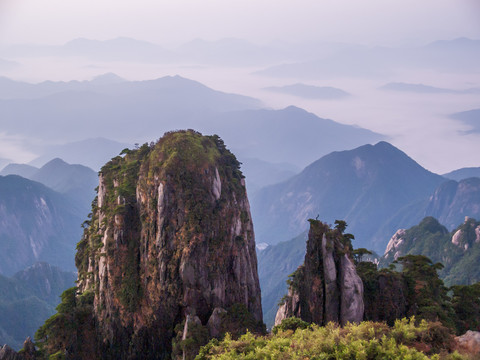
(369, 182)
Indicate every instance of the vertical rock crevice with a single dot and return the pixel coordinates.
(327, 287)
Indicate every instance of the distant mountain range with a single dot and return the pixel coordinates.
(125, 110)
(93, 152)
(457, 55)
(463, 173)
(275, 263)
(290, 135)
(310, 91)
(223, 52)
(366, 187)
(426, 89)
(38, 224)
(28, 298)
(76, 182)
(11, 89)
(259, 173)
(132, 111)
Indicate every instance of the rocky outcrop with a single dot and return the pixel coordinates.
(326, 288)
(469, 342)
(170, 241)
(28, 353)
(395, 243)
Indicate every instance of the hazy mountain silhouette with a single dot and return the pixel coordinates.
(4, 162)
(118, 49)
(126, 109)
(77, 182)
(290, 135)
(459, 55)
(259, 173)
(310, 91)
(365, 186)
(132, 111)
(11, 89)
(23, 170)
(463, 173)
(93, 153)
(426, 89)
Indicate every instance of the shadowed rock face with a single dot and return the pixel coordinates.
(170, 237)
(327, 287)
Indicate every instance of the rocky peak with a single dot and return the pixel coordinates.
(170, 241)
(28, 352)
(395, 242)
(327, 287)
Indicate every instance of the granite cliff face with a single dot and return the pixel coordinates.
(327, 287)
(170, 243)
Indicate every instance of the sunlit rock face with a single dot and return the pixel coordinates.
(170, 238)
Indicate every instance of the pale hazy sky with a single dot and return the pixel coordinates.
(175, 21)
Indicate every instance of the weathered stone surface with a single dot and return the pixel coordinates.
(327, 287)
(215, 321)
(7, 353)
(469, 342)
(28, 353)
(171, 236)
(351, 290)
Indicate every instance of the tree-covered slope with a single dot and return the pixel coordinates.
(458, 251)
(28, 298)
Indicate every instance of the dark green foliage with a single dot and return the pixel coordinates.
(427, 295)
(296, 278)
(466, 304)
(358, 254)
(292, 323)
(237, 320)
(66, 331)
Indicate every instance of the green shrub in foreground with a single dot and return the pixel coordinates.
(367, 340)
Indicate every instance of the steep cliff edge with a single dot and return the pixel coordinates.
(170, 241)
(327, 287)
